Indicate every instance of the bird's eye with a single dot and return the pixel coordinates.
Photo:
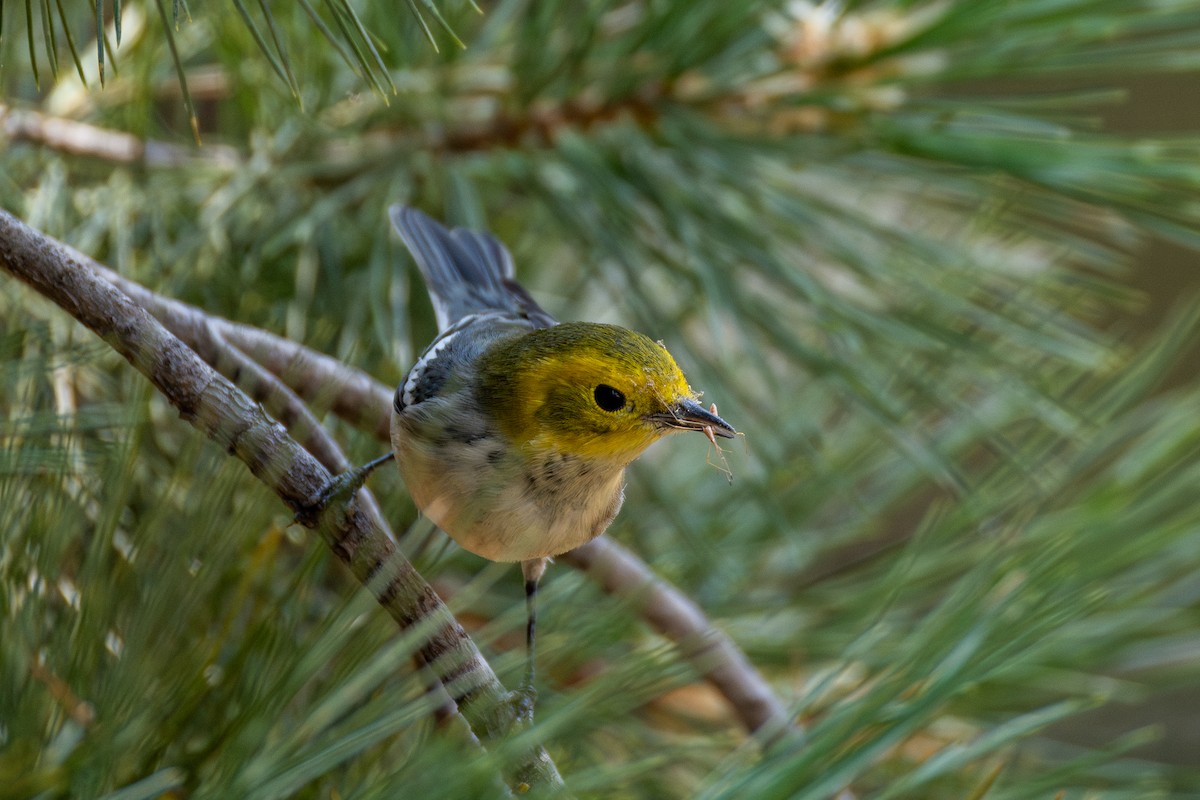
(608, 398)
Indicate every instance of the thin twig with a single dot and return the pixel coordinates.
(226, 415)
(81, 139)
(353, 394)
(713, 654)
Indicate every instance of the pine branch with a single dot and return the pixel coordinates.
(355, 396)
(231, 419)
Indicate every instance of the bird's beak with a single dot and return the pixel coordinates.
(688, 415)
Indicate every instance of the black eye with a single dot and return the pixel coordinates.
(608, 398)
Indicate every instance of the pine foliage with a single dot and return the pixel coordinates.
(963, 516)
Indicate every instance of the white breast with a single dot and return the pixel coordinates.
(497, 502)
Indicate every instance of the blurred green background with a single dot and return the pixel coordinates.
(934, 259)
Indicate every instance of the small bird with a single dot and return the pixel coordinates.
(512, 431)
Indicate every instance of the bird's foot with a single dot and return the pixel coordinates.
(340, 489)
(523, 701)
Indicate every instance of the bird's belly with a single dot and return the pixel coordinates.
(494, 504)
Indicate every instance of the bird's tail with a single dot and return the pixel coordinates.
(467, 272)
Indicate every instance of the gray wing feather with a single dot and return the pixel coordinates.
(467, 272)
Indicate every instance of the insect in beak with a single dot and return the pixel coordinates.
(688, 415)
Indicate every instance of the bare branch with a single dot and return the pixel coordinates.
(82, 139)
(231, 419)
(353, 394)
(199, 331)
(714, 655)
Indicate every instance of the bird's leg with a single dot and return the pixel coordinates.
(341, 488)
(526, 696)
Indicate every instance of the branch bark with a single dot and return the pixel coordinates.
(353, 395)
(712, 653)
(226, 415)
(81, 139)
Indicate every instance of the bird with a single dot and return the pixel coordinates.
(512, 431)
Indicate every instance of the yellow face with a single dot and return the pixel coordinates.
(596, 391)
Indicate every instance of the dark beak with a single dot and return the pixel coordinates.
(688, 415)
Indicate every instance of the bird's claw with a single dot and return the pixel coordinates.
(341, 488)
(523, 701)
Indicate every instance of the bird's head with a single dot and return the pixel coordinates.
(591, 390)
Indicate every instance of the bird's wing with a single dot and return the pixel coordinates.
(466, 272)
